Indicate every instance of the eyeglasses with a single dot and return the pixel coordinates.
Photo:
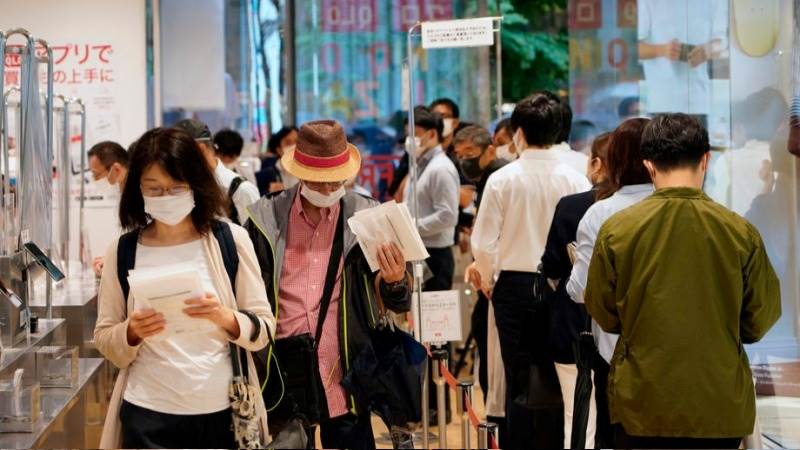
(320, 186)
(153, 191)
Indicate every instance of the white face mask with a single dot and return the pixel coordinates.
(321, 200)
(448, 127)
(288, 148)
(504, 153)
(417, 146)
(169, 209)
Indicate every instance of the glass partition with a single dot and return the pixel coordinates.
(728, 62)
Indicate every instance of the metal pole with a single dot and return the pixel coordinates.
(464, 400)
(291, 64)
(411, 148)
(81, 224)
(487, 433)
(49, 291)
(498, 56)
(4, 146)
(64, 173)
(440, 359)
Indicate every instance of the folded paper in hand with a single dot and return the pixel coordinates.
(165, 289)
(389, 222)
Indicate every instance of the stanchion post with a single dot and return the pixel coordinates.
(464, 400)
(487, 433)
(440, 357)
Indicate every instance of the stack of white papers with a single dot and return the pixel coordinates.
(389, 222)
(165, 289)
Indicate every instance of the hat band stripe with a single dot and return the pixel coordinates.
(317, 162)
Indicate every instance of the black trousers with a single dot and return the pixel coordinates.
(624, 440)
(604, 433)
(144, 428)
(348, 431)
(443, 266)
(480, 324)
(526, 428)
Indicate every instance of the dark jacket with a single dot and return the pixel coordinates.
(267, 226)
(567, 318)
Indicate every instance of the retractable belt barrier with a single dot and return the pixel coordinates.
(451, 381)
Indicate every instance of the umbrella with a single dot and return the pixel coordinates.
(585, 351)
(387, 373)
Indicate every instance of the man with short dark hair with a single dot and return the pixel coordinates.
(109, 160)
(477, 157)
(510, 235)
(437, 194)
(241, 192)
(685, 283)
(228, 145)
(451, 120)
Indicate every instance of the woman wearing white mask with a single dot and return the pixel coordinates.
(173, 390)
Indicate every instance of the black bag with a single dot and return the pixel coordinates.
(536, 383)
(297, 390)
(388, 373)
(567, 320)
(233, 214)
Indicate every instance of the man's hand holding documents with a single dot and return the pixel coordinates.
(387, 223)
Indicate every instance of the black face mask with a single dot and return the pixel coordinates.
(471, 167)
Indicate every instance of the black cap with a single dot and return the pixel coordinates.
(196, 129)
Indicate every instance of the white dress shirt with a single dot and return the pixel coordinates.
(590, 225)
(576, 160)
(516, 210)
(245, 195)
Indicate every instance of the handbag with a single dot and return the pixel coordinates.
(243, 398)
(535, 382)
(297, 391)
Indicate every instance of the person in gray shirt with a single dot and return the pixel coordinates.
(437, 194)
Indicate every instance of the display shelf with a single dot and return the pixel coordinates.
(56, 402)
(46, 329)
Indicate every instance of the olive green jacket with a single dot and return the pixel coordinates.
(685, 282)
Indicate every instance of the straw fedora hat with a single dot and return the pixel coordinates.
(322, 154)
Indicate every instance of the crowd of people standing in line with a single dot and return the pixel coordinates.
(628, 248)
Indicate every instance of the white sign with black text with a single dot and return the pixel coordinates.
(441, 316)
(458, 33)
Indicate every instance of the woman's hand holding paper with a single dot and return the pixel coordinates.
(144, 323)
(211, 309)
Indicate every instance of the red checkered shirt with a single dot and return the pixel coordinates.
(308, 250)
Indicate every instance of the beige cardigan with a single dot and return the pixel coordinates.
(110, 333)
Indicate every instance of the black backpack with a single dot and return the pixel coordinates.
(234, 215)
(126, 254)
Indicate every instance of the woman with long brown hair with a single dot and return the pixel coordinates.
(628, 182)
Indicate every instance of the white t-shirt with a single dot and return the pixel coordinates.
(570, 157)
(185, 374)
(246, 194)
(675, 86)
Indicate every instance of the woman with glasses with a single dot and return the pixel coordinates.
(173, 390)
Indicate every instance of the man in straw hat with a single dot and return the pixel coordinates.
(294, 233)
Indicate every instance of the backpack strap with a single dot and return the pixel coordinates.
(234, 215)
(230, 258)
(126, 260)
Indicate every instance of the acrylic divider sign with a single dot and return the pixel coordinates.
(441, 316)
(458, 33)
